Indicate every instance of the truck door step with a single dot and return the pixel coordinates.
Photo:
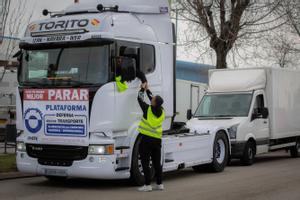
(121, 169)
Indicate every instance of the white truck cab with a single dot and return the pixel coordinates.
(72, 120)
(258, 107)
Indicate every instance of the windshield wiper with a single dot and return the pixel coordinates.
(212, 116)
(72, 82)
(56, 82)
(222, 116)
(38, 83)
(200, 116)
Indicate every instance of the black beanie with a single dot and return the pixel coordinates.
(158, 101)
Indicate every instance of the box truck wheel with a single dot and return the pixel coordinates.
(220, 155)
(295, 150)
(136, 171)
(56, 178)
(249, 153)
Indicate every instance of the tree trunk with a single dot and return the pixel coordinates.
(221, 55)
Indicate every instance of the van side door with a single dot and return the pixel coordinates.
(260, 122)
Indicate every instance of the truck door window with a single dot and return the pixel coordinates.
(147, 59)
(259, 104)
(144, 55)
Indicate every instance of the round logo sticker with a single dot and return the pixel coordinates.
(33, 120)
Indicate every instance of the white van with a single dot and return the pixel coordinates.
(259, 108)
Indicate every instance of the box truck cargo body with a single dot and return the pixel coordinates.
(259, 108)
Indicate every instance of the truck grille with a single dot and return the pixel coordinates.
(56, 152)
(50, 162)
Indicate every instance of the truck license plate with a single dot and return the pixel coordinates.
(55, 172)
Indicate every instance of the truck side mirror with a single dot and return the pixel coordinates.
(189, 114)
(260, 113)
(18, 55)
(265, 113)
(255, 114)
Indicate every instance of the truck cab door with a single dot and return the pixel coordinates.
(127, 110)
(260, 123)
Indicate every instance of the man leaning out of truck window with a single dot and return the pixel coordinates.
(121, 75)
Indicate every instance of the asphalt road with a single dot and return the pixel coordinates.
(274, 176)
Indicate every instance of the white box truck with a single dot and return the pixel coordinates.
(72, 121)
(258, 107)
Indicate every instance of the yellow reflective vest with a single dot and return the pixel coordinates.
(122, 86)
(152, 126)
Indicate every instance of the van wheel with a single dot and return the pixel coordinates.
(56, 178)
(295, 150)
(249, 154)
(136, 171)
(220, 155)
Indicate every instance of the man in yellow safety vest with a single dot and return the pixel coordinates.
(121, 79)
(151, 130)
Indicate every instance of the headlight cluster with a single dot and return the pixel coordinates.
(232, 131)
(21, 146)
(101, 149)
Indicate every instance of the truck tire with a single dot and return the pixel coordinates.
(220, 155)
(249, 154)
(56, 178)
(136, 172)
(295, 150)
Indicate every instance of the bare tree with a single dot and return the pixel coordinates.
(291, 10)
(5, 5)
(282, 50)
(18, 18)
(282, 46)
(225, 22)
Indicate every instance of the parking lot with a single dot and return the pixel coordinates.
(274, 176)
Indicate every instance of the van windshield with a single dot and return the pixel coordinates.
(65, 66)
(224, 105)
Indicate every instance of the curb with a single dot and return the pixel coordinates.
(14, 175)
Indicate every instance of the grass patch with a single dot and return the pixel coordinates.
(8, 163)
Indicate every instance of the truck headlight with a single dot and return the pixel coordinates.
(21, 146)
(101, 149)
(232, 131)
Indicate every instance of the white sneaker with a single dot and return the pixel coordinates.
(158, 187)
(145, 188)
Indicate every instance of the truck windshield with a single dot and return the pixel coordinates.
(224, 105)
(65, 66)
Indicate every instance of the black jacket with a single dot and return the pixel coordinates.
(144, 106)
(139, 74)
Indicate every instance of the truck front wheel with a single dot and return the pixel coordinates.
(295, 150)
(136, 171)
(220, 155)
(249, 154)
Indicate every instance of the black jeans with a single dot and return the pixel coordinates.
(151, 148)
